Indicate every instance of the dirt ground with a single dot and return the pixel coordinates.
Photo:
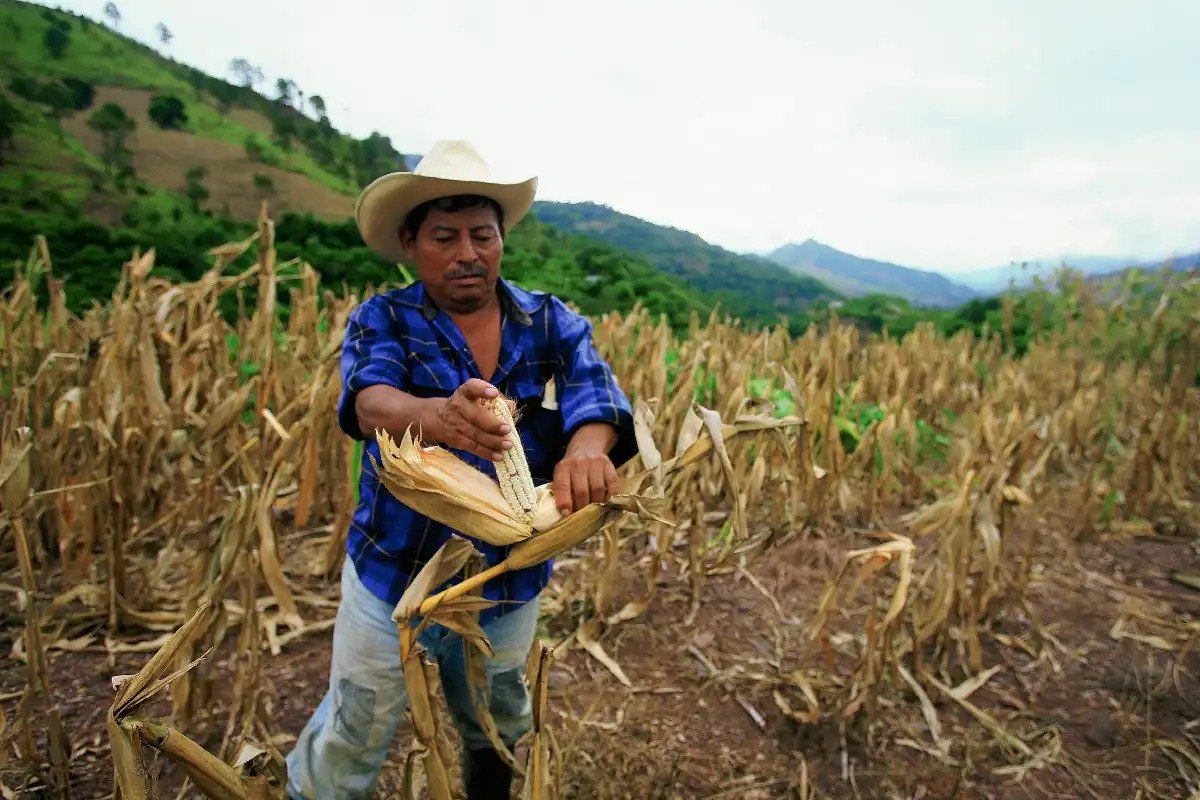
(1094, 710)
(163, 157)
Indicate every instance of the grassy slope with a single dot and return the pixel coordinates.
(49, 181)
(104, 58)
(52, 173)
(46, 182)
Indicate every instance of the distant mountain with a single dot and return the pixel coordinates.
(862, 276)
(997, 279)
(1183, 263)
(753, 288)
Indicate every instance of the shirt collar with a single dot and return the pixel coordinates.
(510, 304)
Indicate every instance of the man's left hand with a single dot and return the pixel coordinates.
(586, 474)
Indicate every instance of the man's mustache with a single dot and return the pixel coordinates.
(467, 271)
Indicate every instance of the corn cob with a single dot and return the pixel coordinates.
(512, 473)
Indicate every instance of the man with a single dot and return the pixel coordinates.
(423, 356)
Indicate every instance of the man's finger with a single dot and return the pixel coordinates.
(484, 420)
(490, 442)
(466, 437)
(611, 481)
(462, 441)
(579, 488)
(486, 452)
(597, 483)
(561, 489)
(476, 389)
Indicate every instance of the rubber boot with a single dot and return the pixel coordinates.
(487, 776)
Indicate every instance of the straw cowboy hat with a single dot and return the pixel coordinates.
(449, 168)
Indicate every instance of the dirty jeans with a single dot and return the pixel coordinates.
(339, 753)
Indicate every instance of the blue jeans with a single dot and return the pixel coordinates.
(339, 753)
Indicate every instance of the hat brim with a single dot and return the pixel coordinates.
(383, 206)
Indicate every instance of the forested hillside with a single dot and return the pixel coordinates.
(107, 145)
(747, 286)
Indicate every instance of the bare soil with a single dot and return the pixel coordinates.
(162, 158)
(1094, 709)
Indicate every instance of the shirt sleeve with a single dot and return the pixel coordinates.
(371, 354)
(588, 388)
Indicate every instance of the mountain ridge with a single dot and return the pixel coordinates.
(258, 149)
(101, 171)
(227, 149)
(857, 276)
(993, 280)
(748, 286)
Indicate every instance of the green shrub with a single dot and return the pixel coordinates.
(83, 93)
(168, 112)
(57, 38)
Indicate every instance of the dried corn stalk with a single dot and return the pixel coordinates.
(436, 483)
(1098, 415)
(419, 672)
(538, 784)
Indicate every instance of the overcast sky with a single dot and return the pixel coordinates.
(943, 135)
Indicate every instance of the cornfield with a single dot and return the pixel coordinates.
(176, 496)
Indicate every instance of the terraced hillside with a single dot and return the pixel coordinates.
(112, 143)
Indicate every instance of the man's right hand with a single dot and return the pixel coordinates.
(459, 421)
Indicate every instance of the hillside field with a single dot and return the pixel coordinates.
(953, 571)
(242, 150)
(245, 150)
(893, 552)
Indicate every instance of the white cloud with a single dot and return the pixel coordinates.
(934, 133)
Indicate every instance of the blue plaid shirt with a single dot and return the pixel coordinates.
(401, 339)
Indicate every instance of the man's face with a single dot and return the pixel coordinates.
(457, 255)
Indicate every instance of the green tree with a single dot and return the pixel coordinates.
(372, 157)
(318, 104)
(114, 127)
(9, 117)
(246, 72)
(263, 185)
(164, 34)
(196, 79)
(82, 93)
(225, 94)
(254, 148)
(58, 99)
(196, 191)
(168, 112)
(24, 86)
(285, 87)
(283, 128)
(57, 38)
(319, 145)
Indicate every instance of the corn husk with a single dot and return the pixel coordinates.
(436, 483)
(14, 471)
(569, 531)
(433, 481)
